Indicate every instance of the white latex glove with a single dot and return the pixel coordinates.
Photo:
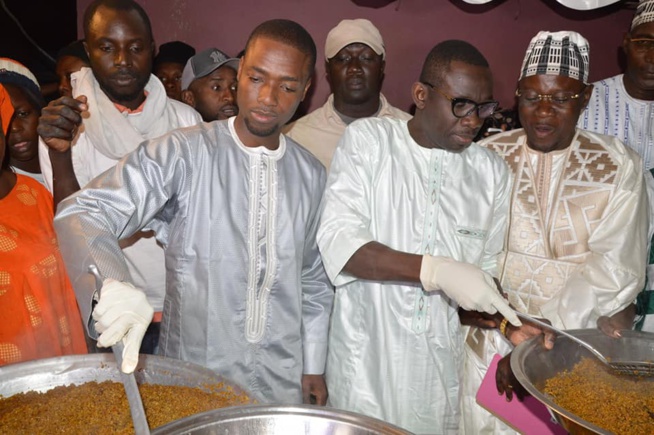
(122, 313)
(471, 288)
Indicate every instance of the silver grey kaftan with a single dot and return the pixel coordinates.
(246, 291)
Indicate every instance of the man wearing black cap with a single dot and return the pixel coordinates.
(209, 84)
(70, 59)
(168, 66)
(354, 60)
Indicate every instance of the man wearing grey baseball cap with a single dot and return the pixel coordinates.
(355, 57)
(209, 84)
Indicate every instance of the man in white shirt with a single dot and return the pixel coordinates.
(118, 104)
(414, 220)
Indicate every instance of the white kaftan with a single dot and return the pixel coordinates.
(395, 352)
(612, 111)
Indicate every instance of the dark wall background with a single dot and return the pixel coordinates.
(52, 24)
(501, 30)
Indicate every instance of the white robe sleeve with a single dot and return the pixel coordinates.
(114, 206)
(346, 214)
(614, 271)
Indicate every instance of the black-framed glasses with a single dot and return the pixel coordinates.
(557, 99)
(642, 45)
(462, 107)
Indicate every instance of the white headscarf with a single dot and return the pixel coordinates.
(116, 134)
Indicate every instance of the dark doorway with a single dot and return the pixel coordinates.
(50, 24)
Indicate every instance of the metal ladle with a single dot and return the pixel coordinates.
(631, 368)
(129, 381)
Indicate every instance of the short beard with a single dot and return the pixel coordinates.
(355, 100)
(261, 133)
(120, 98)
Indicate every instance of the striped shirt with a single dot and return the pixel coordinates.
(612, 111)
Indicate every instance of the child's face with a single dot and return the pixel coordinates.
(22, 138)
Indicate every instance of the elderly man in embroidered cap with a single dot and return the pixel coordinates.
(209, 84)
(578, 227)
(622, 106)
(355, 59)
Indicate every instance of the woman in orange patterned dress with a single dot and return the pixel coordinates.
(39, 312)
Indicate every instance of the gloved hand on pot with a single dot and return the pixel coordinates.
(122, 313)
(466, 284)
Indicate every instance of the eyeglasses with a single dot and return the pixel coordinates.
(462, 107)
(559, 99)
(642, 45)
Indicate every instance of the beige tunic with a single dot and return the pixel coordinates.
(320, 130)
(576, 244)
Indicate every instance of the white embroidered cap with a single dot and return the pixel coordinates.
(557, 53)
(644, 13)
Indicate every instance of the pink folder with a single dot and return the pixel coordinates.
(527, 417)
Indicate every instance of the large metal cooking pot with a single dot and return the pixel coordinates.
(278, 420)
(532, 365)
(45, 374)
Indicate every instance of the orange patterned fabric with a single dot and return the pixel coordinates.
(40, 318)
(6, 109)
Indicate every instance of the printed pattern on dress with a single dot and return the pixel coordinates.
(541, 256)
